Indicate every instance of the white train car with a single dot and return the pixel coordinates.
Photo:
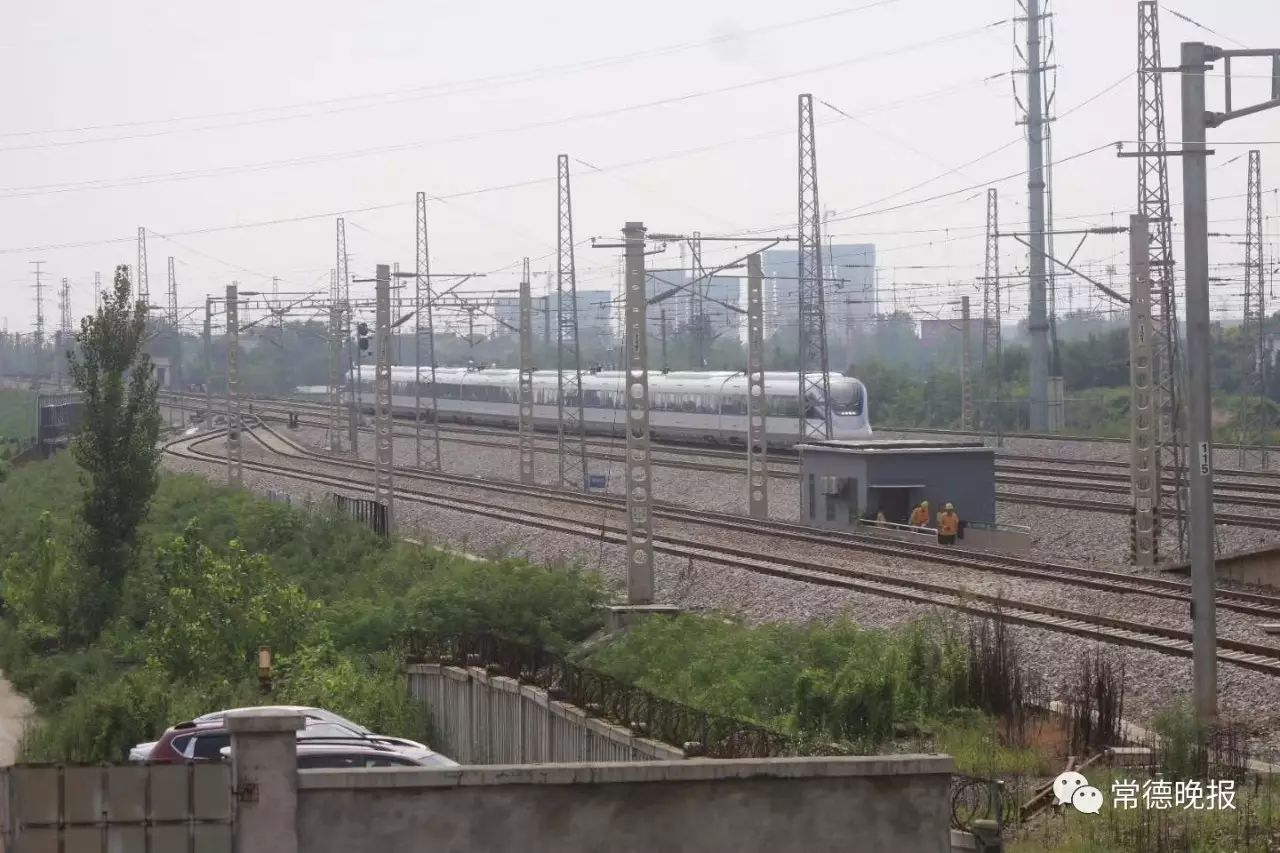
(701, 406)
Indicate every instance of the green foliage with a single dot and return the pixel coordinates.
(332, 601)
(116, 446)
(833, 683)
(1181, 748)
(17, 416)
(207, 615)
(43, 589)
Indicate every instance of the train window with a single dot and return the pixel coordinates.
(847, 399)
(593, 399)
(783, 406)
(733, 404)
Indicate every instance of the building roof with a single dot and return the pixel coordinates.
(914, 447)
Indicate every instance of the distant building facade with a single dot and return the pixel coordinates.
(849, 289)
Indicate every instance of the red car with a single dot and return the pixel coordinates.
(204, 741)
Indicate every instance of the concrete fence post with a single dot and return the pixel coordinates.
(264, 772)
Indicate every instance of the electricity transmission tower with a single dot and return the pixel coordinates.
(39, 341)
(1252, 420)
(1153, 205)
(991, 342)
(64, 326)
(423, 311)
(143, 289)
(814, 382)
(569, 415)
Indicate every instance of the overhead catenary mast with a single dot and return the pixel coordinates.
(1252, 421)
(815, 421)
(1153, 205)
(1037, 321)
(571, 433)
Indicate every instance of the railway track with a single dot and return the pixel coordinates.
(785, 464)
(1165, 640)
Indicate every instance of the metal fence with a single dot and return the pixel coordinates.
(602, 696)
(368, 512)
(183, 808)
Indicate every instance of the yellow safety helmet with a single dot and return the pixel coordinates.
(924, 503)
(949, 507)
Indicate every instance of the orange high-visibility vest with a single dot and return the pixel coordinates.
(919, 517)
(948, 523)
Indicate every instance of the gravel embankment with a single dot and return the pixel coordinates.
(1154, 680)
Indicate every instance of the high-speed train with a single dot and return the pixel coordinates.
(703, 406)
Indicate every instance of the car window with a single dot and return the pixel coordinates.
(209, 747)
(326, 730)
(180, 744)
(352, 760)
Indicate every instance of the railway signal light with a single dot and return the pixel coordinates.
(362, 336)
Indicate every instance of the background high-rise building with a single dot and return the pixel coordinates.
(849, 291)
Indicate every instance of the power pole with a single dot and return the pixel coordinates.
(1252, 419)
(39, 340)
(1196, 57)
(144, 288)
(64, 328)
(423, 307)
(383, 475)
(815, 385)
(526, 379)
(1166, 355)
(991, 334)
(697, 306)
(966, 370)
(662, 318)
(757, 403)
(639, 472)
(571, 434)
(275, 287)
(176, 368)
(1037, 324)
(1144, 467)
(208, 363)
(335, 363)
(97, 291)
(353, 400)
(234, 451)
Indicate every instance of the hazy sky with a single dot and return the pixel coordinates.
(241, 129)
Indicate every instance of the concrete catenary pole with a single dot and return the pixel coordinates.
(639, 479)
(526, 379)
(1144, 468)
(234, 450)
(208, 362)
(1037, 321)
(757, 401)
(1195, 199)
(966, 369)
(383, 480)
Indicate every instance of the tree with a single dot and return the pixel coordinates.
(117, 444)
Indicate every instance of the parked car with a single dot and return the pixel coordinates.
(203, 738)
(320, 753)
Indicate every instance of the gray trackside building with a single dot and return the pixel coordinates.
(844, 483)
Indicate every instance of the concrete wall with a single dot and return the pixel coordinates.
(482, 719)
(781, 805)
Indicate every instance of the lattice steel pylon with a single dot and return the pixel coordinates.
(422, 303)
(1252, 419)
(1153, 204)
(569, 415)
(172, 313)
(344, 285)
(992, 353)
(815, 416)
(143, 289)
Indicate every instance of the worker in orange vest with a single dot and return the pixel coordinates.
(920, 515)
(948, 525)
